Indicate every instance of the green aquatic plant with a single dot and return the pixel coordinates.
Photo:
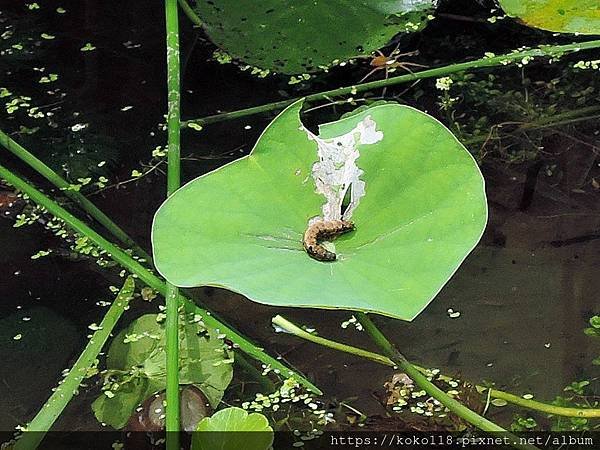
(510, 119)
(416, 198)
(395, 359)
(173, 182)
(392, 359)
(564, 16)
(136, 365)
(469, 177)
(233, 428)
(69, 387)
(488, 61)
(281, 37)
(523, 424)
(147, 277)
(594, 330)
(73, 194)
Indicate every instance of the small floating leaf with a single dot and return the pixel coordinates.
(231, 429)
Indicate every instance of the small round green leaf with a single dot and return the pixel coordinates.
(298, 36)
(563, 16)
(233, 429)
(418, 205)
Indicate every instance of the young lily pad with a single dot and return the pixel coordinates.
(416, 198)
(298, 36)
(233, 429)
(563, 16)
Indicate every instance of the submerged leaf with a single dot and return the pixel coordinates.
(139, 353)
(115, 408)
(298, 36)
(563, 16)
(417, 201)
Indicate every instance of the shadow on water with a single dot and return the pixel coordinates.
(524, 295)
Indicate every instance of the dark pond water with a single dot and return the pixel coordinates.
(524, 294)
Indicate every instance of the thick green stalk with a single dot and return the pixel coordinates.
(45, 418)
(173, 183)
(74, 195)
(150, 279)
(190, 13)
(545, 50)
(172, 338)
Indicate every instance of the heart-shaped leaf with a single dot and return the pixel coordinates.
(413, 192)
(233, 429)
(563, 16)
(282, 35)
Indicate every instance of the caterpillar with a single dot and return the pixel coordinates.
(324, 230)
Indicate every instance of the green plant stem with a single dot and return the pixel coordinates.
(588, 413)
(190, 13)
(65, 391)
(86, 205)
(173, 183)
(564, 118)
(75, 196)
(421, 380)
(172, 349)
(399, 361)
(381, 359)
(89, 207)
(545, 50)
(290, 327)
(150, 278)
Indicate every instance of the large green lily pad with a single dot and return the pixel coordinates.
(297, 36)
(241, 226)
(563, 16)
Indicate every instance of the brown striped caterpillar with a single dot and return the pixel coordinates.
(324, 230)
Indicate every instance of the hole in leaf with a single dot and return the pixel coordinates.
(346, 201)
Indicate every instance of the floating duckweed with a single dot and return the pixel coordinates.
(352, 321)
(88, 47)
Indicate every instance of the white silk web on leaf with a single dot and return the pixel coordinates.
(336, 172)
